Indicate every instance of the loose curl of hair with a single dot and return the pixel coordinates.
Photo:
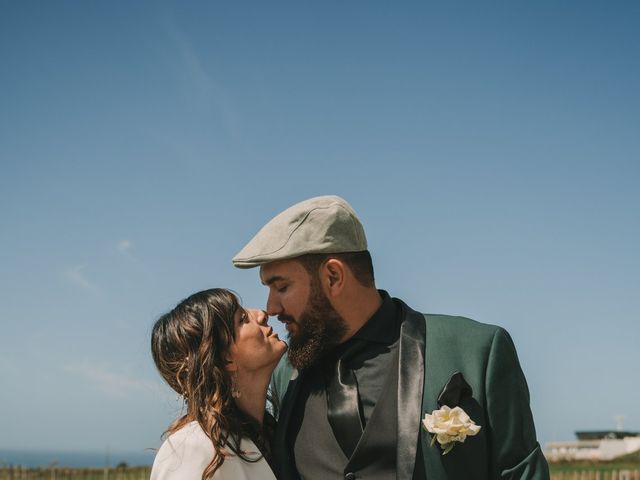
(189, 347)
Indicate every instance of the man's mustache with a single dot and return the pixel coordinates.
(285, 318)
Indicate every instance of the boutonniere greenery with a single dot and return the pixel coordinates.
(448, 426)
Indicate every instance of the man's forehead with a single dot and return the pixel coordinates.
(280, 270)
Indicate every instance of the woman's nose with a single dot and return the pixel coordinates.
(261, 316)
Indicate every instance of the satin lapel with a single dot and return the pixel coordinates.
(283, 457)
(410, 383)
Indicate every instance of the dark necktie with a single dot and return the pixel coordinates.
(342, 400)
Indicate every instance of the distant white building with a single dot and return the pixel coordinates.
(603, 445)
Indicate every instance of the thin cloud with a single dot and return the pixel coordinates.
(200, 84)
(125, 246)
(114, 384)
(198, 76)
(77, 276)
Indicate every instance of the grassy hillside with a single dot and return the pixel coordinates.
(627, 462)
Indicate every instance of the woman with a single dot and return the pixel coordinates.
(219, 356)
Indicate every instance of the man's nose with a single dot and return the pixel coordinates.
(273, 306)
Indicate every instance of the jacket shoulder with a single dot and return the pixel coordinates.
(439, 324)
(283, 372)
(461, 339)
(280, 379)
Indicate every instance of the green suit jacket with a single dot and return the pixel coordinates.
(432, 349)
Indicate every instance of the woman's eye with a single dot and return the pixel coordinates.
(282, 289)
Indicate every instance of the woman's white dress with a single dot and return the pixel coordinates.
(186, 453)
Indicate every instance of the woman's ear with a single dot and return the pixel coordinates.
(333, 276)
(229, 364)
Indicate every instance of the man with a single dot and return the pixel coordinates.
(371, 388)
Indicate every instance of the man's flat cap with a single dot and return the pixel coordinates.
(325, 224)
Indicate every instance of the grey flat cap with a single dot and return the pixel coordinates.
(325, 224)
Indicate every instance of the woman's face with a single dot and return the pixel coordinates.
(256, 345)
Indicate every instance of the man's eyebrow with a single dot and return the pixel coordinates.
(272, 279)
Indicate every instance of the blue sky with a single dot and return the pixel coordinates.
(491, 151)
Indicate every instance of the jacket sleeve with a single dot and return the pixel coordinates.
(515, 452)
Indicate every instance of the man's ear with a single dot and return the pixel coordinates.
(333, 276)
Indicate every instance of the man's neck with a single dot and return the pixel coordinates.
(361, 307)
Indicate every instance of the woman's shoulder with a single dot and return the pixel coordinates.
(185, 454)
(190, 437)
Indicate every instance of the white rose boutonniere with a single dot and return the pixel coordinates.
(449, 425)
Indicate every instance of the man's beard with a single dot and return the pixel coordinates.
(320, 329)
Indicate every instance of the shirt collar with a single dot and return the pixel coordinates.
(384, 325)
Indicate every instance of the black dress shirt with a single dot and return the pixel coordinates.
(371, 364)
(309, 427)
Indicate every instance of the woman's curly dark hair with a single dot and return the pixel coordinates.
(190, 346)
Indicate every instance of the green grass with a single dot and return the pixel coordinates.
(632, 458)
(630, 461)
(131, 473)
(627, 462)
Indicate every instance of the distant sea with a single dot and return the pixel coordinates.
(45, 458)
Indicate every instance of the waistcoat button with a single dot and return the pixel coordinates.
(350, 476)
